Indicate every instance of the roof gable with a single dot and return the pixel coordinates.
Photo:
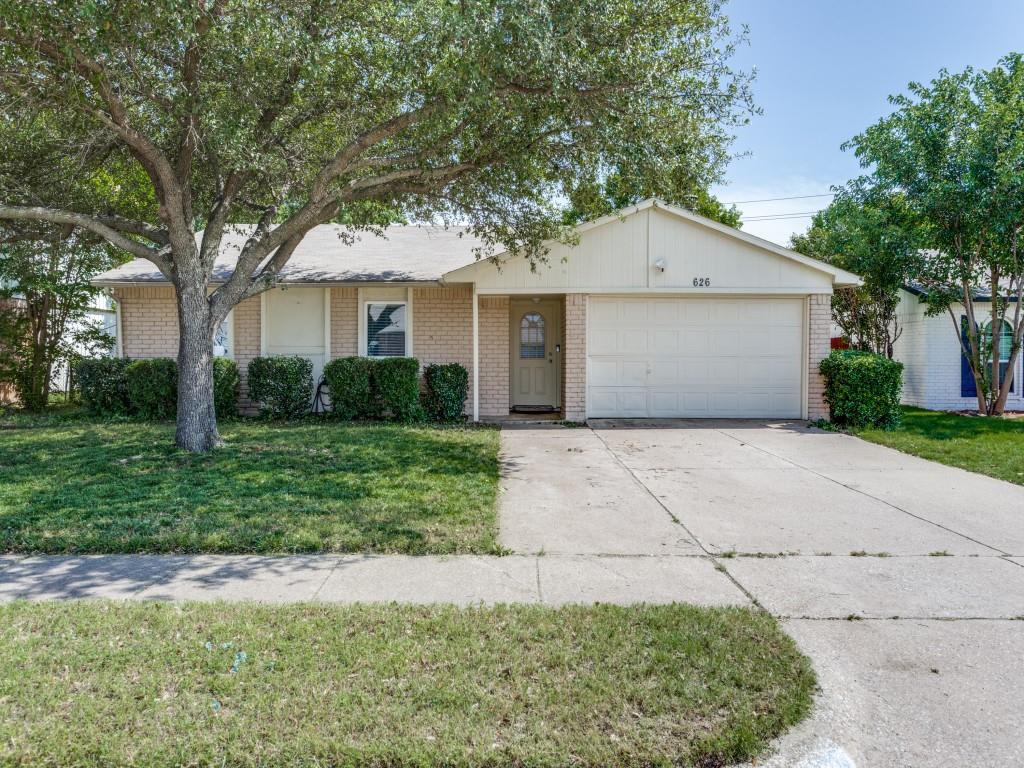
(657, 247)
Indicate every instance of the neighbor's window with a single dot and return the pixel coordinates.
(531, 336)
(1005, 340)
(385, 329)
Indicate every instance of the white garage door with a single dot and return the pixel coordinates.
(665, 357)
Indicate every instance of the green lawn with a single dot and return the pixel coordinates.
(990, 446)
(106, 684)
(71, 484)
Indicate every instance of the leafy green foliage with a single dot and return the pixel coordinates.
(350, 383)
(282, 385)
(103, 382)
(863, 389)
(590, 686)
(274, 488)
(874, 235)
(396, 383)
(954, 151)
(445, 392)
(153, 387)
(225, 387)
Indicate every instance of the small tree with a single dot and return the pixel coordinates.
(290, 114)
(872, 234)
(955, 150)
(48, 269)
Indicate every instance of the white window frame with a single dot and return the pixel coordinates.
(230, 321)
(369, 296)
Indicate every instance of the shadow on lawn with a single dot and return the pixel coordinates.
(940, 425)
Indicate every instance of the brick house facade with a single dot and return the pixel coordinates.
(653, 313)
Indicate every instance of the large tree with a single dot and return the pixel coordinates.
(954, 149)
(289, 114)
(872, 234)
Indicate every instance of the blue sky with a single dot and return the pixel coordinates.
(824, 72)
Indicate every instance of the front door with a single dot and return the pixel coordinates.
(535, 348)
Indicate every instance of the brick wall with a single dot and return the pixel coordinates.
(494, 355)
(442, 329)
(344, 322)
(247, 345)
(149, 321)
(574, 404)
(819, 340)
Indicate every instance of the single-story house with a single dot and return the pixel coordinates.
(936, 374)
(653, 312)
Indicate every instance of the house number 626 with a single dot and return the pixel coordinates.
(702, 282)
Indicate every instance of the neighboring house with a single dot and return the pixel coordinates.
(936, 374)
(655, 312)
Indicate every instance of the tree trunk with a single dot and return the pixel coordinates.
(197, 421)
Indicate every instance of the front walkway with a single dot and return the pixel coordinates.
(902, 579)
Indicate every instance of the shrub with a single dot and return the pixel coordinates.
(282, 385)
(446, 388)
(225, 387)
(863, 389)
(153, 388)
(396, 383)
(103, 384)
(350, 383)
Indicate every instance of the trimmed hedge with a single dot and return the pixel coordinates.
(350, 384)
(225, 387)
(103, 384)
(282, 385)
(396, 382)
(153, 387)
(863, 389)
(447, 386)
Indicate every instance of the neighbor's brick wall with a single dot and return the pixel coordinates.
(442, 329)
(149, 321)
(574, 406)
(819, 342)
(344, 322)
(494, 355)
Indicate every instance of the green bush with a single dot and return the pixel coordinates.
(103, 384)
(863, 389)
(350, 383)
(153, 387)
(446, 388)
(281, 385)
(225, 387)
(396, 384)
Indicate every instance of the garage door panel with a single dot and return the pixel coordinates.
(680, 357)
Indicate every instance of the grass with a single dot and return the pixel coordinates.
(73, 484)
(88, 683)
(989, 446)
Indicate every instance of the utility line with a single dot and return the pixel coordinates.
(773, 199)
(775, 216)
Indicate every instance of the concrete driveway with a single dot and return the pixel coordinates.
(902, 579)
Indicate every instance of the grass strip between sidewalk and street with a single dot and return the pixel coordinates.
(155, 684)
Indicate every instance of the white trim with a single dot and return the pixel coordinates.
(263, 324)
(118, 329)
(327, 325)
(408, 322)
(805, 364)
(476, 355)
(229, 321)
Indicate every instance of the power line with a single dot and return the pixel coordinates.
(778, 216)
(773, 199)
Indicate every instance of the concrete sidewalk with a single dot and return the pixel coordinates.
(464, 580)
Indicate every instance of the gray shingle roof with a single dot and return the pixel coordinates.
(403, 254)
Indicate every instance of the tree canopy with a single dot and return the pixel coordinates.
(287, 114)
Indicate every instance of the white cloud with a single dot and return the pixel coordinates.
(781, 229)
